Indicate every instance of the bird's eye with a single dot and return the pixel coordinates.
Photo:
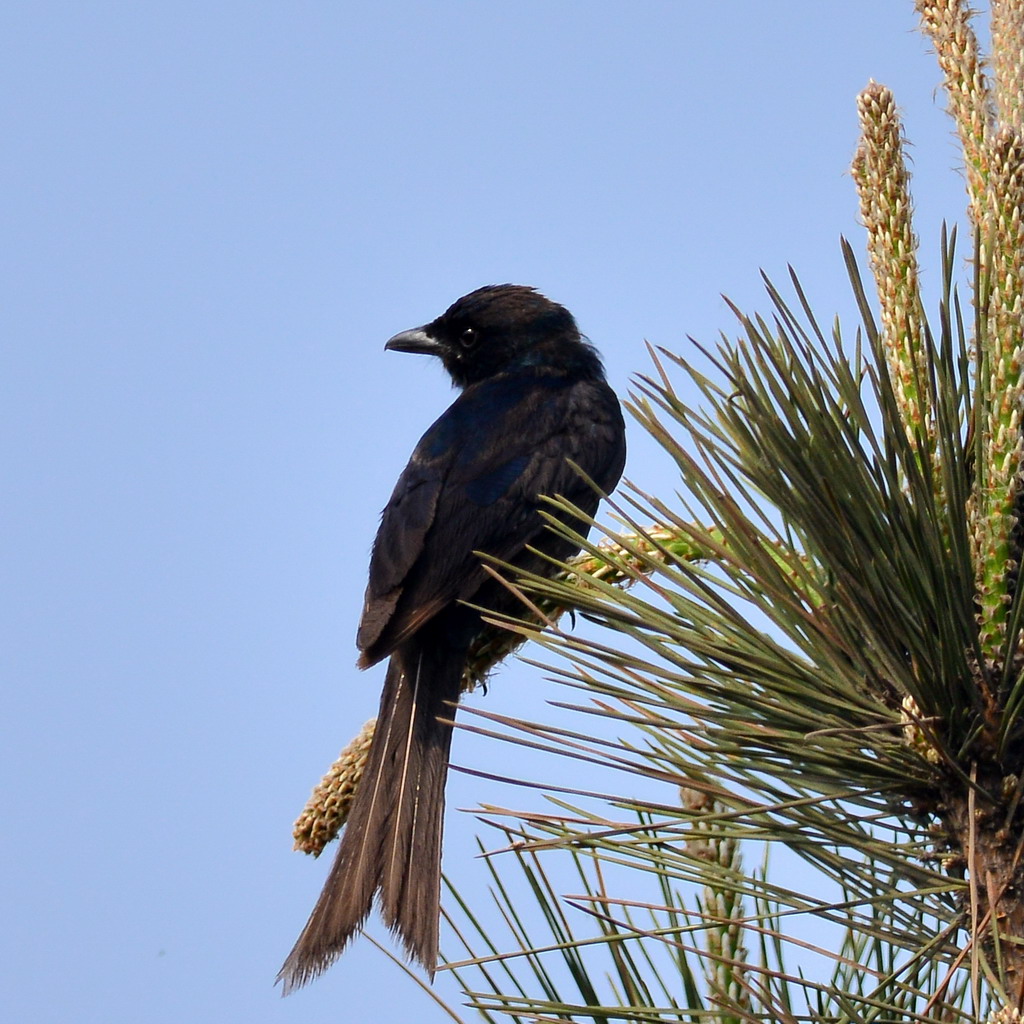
(469, 337)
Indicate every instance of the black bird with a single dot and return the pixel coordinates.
(533, 398)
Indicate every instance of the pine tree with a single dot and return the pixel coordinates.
(818, 653)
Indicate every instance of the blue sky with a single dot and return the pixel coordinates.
(214, 216)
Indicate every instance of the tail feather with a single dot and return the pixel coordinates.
(392, 839)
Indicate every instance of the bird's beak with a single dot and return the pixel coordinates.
(416, 340)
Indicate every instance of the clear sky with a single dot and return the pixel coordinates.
(214, 214)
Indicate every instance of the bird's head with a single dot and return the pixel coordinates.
(498, 329)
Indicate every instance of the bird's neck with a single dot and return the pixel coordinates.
(561, 358)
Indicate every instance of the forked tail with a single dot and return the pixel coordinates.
(391, 843)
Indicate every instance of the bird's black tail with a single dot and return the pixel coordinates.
(391, 843)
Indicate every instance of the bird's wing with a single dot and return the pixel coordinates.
(473, 485)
